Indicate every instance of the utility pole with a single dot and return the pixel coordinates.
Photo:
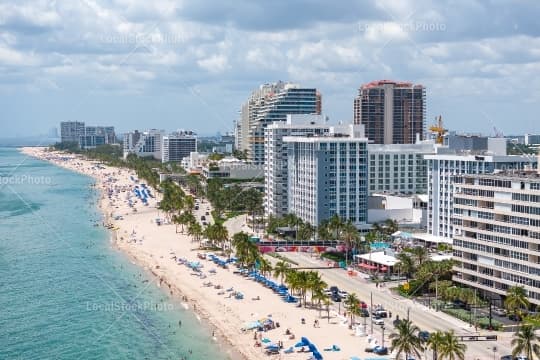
(436, 292)
(382, 328)
(408, 311)
(371, 310)
(490, 314)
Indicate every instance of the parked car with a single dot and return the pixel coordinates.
(378, 321)
(207, 213)
(204, 223)
(203, 217)
(507, 357)
(364, 313)
(380, 350)
(499, 311)
(459, 304)
(423, 335)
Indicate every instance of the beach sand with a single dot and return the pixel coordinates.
(153, 247)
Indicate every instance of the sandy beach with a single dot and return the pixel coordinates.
(157, 248)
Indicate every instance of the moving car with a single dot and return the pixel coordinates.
(378, 321)
(499, 311)
(335, 297)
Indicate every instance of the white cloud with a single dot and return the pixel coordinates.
(214, 64)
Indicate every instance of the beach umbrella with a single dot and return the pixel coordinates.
(299, 344)
(305, 341)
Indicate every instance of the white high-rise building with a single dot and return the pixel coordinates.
(71, 131)
(444, 168)
(327, 175)
(275, 167)
(497, 233)
(178, 145)
(399, 168)
(147, 143)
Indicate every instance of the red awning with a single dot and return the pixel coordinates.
(367, 266)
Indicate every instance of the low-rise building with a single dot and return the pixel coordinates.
(232, 168)
(410, 211)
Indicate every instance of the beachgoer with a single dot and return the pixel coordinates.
(179, 323)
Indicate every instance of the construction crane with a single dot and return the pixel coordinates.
(439, 130)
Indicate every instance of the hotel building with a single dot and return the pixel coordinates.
(147, 143)
(399, 168)
(497, 232)
(327, 175)
(178, 145)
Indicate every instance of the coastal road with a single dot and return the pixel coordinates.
(420, 315)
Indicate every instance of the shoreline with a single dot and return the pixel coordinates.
(156, 248)
(175, 293)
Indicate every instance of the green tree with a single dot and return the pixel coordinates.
(405, 341)
(451, 348)
(280, 270)
(349, 234)
(352, 302)
(516, 300)
(406, 264)
(525, 342)
(435, 343)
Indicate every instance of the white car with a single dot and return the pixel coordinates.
(343, 293)
(378, 321)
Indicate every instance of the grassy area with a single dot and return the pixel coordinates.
(465, 315)
(334, 256)
(282, 258)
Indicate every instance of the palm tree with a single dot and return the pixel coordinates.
(280, 269)
(516, 300)
(435, 343)
(525, 343)
(391, 226)
(349, 234)
(352, 302)
(335, 224)
(320, 296)
(264, 266)
(405, 341)
(244, 248)
(406, 264)
(420, 254)
(451, 348)
(315, 284)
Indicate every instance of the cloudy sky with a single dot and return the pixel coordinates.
(190, 64)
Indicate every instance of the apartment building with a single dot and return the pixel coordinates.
(442, 171)
(327, 175)
(270, 103)
(497, 232)
(392, 112)
(275, 167)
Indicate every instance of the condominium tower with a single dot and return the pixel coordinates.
(442, 171)
(497, 233)
(267, 104)
(392, 112)
(178, 145)
(275, 166)
(327, 175)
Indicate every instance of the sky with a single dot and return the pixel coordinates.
(139, 64)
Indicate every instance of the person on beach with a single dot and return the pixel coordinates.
(179, 323)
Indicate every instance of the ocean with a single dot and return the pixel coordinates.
(65, 291)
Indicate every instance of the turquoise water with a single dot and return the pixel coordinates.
(65, 293)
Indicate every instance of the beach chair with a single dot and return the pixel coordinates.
(289, 350)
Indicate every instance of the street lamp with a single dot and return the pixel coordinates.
(494, 351)
(382, 328)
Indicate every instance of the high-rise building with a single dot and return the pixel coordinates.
(71, 131)
(327, 175)
(497, 233)
(86, 136)
(147, 143)
(442, 171)
(275, 167)
(270, 103)
(178, 145)
(392, 112)
(399, 168)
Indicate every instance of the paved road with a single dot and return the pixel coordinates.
(423, 317)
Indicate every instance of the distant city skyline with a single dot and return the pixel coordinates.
(170, 65)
